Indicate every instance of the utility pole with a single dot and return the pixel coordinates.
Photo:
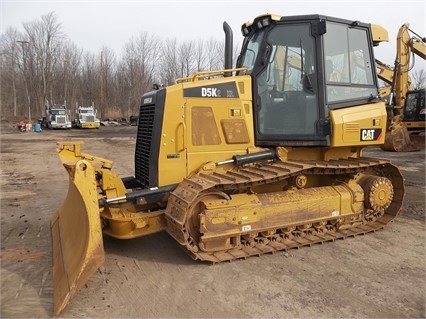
(14, 81)
(101, 84)
(25, 76)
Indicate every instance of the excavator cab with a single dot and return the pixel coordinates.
(414, 110)
(300, 73)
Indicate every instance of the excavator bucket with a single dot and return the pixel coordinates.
(76, 235)
(398, 140)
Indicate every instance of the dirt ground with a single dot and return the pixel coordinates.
(379, 275)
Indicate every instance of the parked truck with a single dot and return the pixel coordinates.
(57, 117)
(86, 117)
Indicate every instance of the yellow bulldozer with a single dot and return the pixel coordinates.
(252, 159)
(406, 107)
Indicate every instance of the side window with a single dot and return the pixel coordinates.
(250, 56)
(348, 63)
(360, 59)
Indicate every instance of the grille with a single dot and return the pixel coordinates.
(143, 144)
(90, 118)
(352, 127)
(60, 119)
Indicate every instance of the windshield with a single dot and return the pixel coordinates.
(58, 112)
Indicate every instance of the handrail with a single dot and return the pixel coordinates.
(207, 74)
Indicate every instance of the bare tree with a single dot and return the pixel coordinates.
(200, 56)
(186, 53)
(169, 70)
(9, 75)
(215, 56)
(88, 82)
(66, 74)
(45, 41)
(137, 68)
(107, 81)
(419, 79)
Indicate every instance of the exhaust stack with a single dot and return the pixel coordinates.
(228, 47)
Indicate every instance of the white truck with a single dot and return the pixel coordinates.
(57, 117)
(86, 117)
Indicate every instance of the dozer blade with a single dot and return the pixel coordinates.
(76, 235)
(398, 140)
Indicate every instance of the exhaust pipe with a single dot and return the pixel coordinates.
(228, 48)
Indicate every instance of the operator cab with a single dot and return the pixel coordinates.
(302, 67)
(414, 108)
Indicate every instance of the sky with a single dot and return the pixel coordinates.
(93, 24)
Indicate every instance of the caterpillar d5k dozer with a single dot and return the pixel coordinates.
(263, 157)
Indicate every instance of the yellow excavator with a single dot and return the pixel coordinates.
(406, 107)
(262, 157)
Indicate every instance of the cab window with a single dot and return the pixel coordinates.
(348, 64)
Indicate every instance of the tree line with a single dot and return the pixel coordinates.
(41, 66)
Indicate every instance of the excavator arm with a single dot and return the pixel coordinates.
(418, 47)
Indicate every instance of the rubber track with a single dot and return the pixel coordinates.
(187, 192)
